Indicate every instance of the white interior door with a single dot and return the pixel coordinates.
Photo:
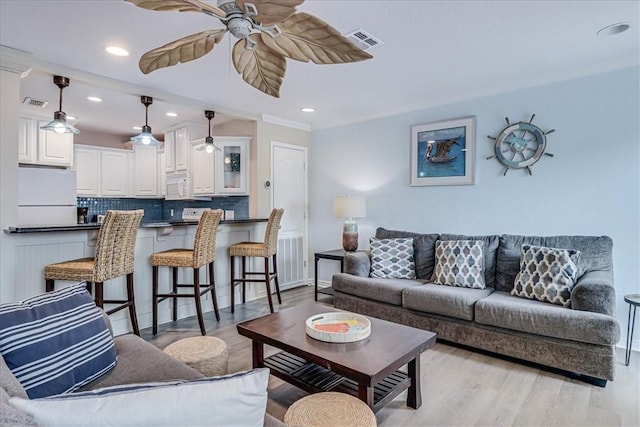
(289, 191)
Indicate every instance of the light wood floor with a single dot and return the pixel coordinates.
(460, 387)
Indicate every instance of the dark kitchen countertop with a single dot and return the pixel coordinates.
(95, 225)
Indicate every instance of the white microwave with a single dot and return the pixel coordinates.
(179, 187)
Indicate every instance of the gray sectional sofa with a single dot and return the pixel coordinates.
(138, 362)
(579, 339)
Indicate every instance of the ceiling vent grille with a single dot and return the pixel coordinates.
(363, 39)
(35, 102)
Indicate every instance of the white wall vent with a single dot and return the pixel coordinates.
(363, 39)
(35, 102)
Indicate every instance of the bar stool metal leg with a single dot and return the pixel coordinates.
(630, 327)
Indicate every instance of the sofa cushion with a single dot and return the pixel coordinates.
(157, 365)
(459, 263)
(384, 290)
(423, 249)
(490, 251)
(238, 399)
(56, 342)
(392, 258)
(10, 416)
(547, 274)
(504, 310)
(597, 254)
(445, 300)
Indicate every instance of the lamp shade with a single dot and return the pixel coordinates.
(349, 207)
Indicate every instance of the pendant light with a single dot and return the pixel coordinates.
(59, 123)
(145, 137)
(209, 146)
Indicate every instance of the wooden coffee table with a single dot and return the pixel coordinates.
(367, 369)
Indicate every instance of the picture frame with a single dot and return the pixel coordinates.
(443, 152)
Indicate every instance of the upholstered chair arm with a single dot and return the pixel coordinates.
(357, 263)
(595, 292)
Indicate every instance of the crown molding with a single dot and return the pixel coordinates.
(15, 61)
(285, 122)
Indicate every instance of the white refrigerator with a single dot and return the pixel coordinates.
(46, 197)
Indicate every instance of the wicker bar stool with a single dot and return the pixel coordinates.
(203, 253)
(115, 252)
(266, 250)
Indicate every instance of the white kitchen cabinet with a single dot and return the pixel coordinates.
(169, 151)
(182, 149)
(54, 149)
(202, 169)
(145, 171)
(27, 141)
(162, 175)
(176, 145)
(42, 147)
(87, 166)
(232, 165)
(115, 176)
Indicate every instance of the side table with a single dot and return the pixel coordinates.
(335, 255)
(634, 301)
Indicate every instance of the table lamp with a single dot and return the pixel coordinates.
(350, 207)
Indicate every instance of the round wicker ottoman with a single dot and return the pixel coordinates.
(207, 355)
(329, 409)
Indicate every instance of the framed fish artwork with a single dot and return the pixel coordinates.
(443, 153)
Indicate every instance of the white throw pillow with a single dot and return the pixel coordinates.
(392, 258)
(238, 399)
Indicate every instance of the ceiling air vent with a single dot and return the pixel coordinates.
(363, 39)
(35, 102)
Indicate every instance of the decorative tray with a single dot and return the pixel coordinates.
(338, 327)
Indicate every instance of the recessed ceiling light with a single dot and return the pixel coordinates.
(613, 29)
(71, 117)
(94, 99)
(117, 51)
(308, 109)
(136, 127)
(172, 114)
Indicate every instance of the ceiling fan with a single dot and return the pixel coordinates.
(269, 31)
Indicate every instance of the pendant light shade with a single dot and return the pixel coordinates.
(209, 146)
(59, 123)
(145, 137)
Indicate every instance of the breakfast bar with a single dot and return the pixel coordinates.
(37, 246)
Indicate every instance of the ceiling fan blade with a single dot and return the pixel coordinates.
(182, 50)
(272, 11)
(307, 38)
(261, 67)
(179, 5)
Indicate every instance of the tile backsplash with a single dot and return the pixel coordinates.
(160, 209)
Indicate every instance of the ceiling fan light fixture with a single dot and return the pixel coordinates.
(145, 137)
(59, 123)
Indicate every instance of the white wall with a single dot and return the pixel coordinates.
(590, 187)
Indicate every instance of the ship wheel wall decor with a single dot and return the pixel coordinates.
(268, 32)
(520, 145)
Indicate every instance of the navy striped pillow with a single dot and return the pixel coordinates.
(56, 342)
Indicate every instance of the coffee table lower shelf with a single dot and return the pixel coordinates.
(314, 378)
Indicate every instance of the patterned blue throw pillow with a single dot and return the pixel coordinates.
(547, 274)
(392, 258)
(56, 342)
(459, 263)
